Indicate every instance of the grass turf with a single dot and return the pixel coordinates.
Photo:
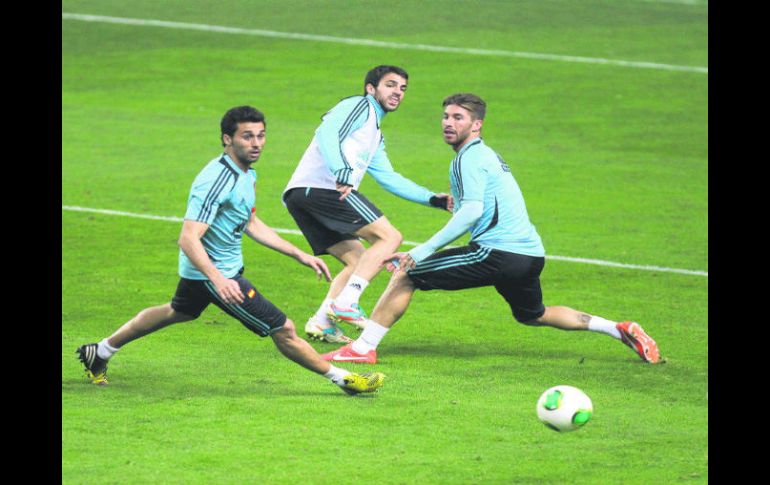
(611, 160)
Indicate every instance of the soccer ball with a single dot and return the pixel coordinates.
(564, 408)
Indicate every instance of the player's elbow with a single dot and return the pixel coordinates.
(184, 242)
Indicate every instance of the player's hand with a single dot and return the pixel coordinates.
(345, 190)
(443, 201)
(229, 291)
(317, 264)
(392, 262)
(399, 262)
(406, 262)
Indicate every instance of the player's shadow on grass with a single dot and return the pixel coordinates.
(157, 388)
(483, 349)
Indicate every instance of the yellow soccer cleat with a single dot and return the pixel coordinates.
(96, 367)
(98, 379)
(357, 383)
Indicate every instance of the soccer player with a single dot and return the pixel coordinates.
(220, 209)
(323, 199)
(505, 250)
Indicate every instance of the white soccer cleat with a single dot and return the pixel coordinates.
(332, 334)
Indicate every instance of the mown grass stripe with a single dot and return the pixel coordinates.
(378, 43)
(597, 262)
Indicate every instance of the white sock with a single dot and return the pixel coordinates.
(336, 375)
(370, 338)
(352, 291)
(105, 350)
(321, 317)
(599, 324)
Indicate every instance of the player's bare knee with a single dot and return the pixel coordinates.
(395, 236)
(529, 319)
(384, 232)
(287, 332)
(392, 237)
(532, 323)
(178, 317)
(288, 326)
(175, 316)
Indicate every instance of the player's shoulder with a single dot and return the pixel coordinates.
(350, 102)
(216, 168)
(479, 151)
(485, 149)
(347, 107)
(482, 157)
(212, 165)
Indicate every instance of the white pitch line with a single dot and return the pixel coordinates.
(376, 43)
(681, 2)
(597, 262)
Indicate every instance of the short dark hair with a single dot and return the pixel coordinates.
(471, 102)
(236, 115)
(374, 76)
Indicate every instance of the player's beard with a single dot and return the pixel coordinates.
(383, 102)
(457, 139)
(246, 157)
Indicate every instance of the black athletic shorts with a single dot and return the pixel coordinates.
(324, 219)
(515, 276)
(256, 312)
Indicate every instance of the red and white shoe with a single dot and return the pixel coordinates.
(347, 354)
(632, 334)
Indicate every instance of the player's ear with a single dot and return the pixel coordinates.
(369, 88)
(226, 140)
(476, 125)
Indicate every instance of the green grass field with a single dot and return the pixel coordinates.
(612, 160)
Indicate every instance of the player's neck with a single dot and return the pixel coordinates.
(468, 140)
(378, 109)
(243, 166)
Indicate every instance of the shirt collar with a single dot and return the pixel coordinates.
(468, 145)
(377, 108)
(233, 164)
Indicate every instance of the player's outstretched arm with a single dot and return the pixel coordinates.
(459, 224)
(266, 236)
(383, 173)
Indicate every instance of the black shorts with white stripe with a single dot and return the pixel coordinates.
(256, 313)
(324, 219)
(516, 277)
